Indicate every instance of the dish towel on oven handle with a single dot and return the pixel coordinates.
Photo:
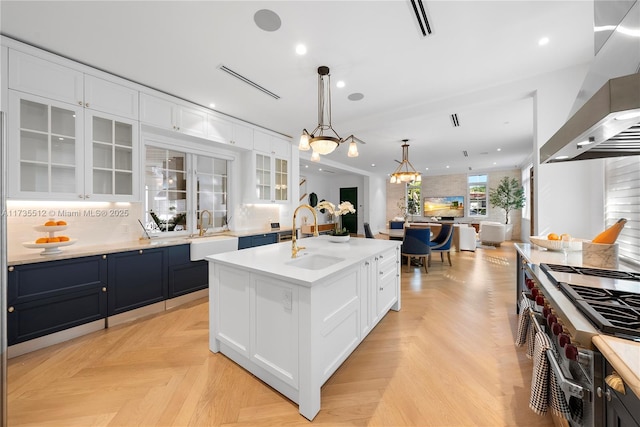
(525, 332)
(559, 404)
(539, 400)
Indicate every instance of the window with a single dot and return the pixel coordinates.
(413, 198)
(478, 195)
(622, 199)
(176, 198)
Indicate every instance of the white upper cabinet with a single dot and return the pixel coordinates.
(167, 115)
(271, 144)
(108, 97)
(228, 132)
(37, 76)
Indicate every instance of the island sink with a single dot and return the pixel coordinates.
(314, 261)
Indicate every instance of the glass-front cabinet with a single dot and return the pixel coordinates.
(55, 154)
(44, 147)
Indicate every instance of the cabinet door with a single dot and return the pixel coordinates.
(111, 157)
(192, 121)
(242, 136)
(280, 148)
(263, 177)
(136, 279)
(185, 276)
(108, 97)
(157, 112)
(281, 180)
(48, 297)
(48, 158)
(387, 280)
(264, 239)
(37, 76)
(219, 130)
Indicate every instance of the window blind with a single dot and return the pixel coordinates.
(622, 200)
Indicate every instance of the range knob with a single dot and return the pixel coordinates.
(535, 292)
(546, 311)
(557, 329)
(530, 283)
(571, 351)
(551, 319)
(563, 339)
(540, 300)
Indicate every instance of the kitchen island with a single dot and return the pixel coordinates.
(293, 321)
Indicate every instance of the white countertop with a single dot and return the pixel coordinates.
(74, 251)
(272, 260)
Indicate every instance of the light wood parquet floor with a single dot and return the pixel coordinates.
(446, 359)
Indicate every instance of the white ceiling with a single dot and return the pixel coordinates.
(482, 62)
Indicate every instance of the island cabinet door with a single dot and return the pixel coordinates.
(367, 296)
(230, 318)
(274, 332)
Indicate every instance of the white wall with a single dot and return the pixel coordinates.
(569, 196)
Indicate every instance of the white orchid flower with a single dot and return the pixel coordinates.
(345, 208)
(330, 207)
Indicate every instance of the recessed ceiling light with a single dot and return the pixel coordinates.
(306, 166)
(499, 149)
(301, 49)
(373, 165)
(447, 166)
(212, 105)
(340, 84)
(543, 41)
(426, 169)
(494, 163)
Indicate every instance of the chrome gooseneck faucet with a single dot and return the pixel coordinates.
(294, 241)
(202, 229)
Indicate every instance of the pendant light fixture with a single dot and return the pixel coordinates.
(405, 171)
(317, 140)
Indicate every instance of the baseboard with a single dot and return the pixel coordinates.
(183, 299)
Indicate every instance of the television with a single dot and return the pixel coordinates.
(444, 207)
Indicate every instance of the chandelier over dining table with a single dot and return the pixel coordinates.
(405, 172)
(324, 139)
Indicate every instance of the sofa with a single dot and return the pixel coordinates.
(491, 233)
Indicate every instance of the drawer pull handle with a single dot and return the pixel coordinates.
(11, 268)
(10, 309)
(104, 289)
(140, 251)
(104, 257)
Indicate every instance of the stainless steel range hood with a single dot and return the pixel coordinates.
(604, 125)
(608, 125)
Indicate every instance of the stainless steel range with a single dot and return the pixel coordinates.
(610, 299)
(572, 305)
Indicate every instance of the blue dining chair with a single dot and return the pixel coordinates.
(442, 243)
(367, 231)
(416, 245)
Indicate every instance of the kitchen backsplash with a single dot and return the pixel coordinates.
(91, 223)
(95, 223)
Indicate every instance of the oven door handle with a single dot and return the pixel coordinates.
(567, 385)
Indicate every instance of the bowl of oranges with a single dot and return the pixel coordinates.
(553, 242)
(51, 243)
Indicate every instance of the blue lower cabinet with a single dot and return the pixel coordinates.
(51, 296)
(186, 276)
(257, 240)
(137, 278)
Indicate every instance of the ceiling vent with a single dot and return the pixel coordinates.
(248, 81)
(421, 16)
(454, 120)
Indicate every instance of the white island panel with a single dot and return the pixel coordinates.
(292, 324)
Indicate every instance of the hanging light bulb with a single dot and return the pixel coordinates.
(405, 171)
(353, 149)
(315, 157)
(304, 141)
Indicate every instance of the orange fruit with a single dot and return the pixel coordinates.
(53, 239)
(553, 236)
(42, 240)
(63, 238)
(50, 223)
(61, 223)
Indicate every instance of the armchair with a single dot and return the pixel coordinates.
(491, 233)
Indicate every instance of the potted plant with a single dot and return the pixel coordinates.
(342, 209)
(508, 195)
